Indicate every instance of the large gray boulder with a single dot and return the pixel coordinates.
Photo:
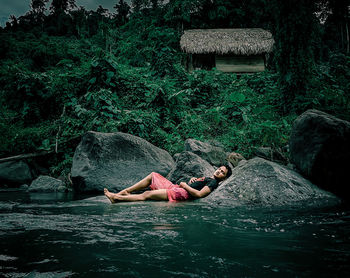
(213, 154)
(115, 160)
(262, 182)
(189, 165)
(15, 173)
(47, 184)
(320, 149)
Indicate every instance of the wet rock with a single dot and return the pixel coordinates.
(115, 160)
(47, 184)
(262, 182)
(189, 165)
(213, 154)
(15, 173)
(320, 149)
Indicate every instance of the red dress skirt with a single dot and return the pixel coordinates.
(175, 192)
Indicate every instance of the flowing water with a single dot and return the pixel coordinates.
(50, 235)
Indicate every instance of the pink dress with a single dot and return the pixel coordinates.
(174, 191)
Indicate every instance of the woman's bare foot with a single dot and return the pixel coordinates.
(109, 195)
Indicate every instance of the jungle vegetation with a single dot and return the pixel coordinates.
(65, 70)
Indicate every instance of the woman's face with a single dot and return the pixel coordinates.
(221, 173)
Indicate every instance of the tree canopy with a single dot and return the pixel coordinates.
(70, 70)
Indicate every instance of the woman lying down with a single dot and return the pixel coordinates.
(161, 189)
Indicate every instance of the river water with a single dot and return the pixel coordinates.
(53, 235)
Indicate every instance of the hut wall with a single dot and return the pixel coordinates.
(203, 61)
(228, 63)
(187, 62)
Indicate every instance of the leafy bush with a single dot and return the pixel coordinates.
(130, 79)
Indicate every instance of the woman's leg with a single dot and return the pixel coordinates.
(142, 184)
(158, 195)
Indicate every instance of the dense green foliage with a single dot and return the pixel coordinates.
(72, 71)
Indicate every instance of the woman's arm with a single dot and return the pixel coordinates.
(194, 192)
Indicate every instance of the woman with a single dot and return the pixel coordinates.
(164, 190)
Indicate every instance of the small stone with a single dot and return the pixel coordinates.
(24, 187)
(46, 184)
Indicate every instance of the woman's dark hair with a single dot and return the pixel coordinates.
(229, 170)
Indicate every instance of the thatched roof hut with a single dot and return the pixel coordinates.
(227, 41)
(228, 46)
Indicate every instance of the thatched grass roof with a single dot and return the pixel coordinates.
(227, 41)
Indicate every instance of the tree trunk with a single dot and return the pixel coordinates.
(342, 36)
(23, 156)
(347, 37)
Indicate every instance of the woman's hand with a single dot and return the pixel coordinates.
(192, 180)
(183, 184)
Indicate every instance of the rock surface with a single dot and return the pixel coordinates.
(15, 173)
(262, 182)
(189, 165)
(115, 160)
(320, 149)
(234, 159)
(213, 154)
(271, 154)
(47, 184)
